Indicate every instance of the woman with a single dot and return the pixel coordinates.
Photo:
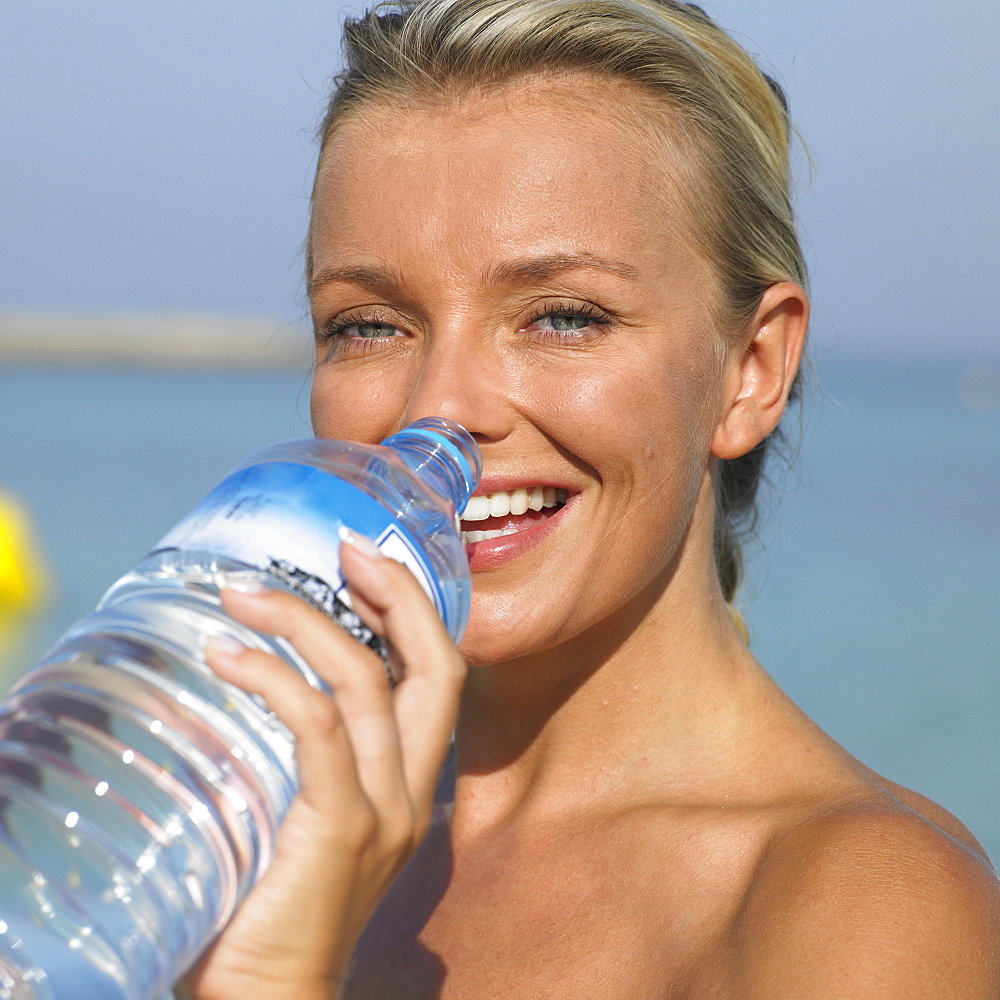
(566, 225)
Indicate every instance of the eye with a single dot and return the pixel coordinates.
(365, 331)
(566, 321)
(574, 323)
(346, 334)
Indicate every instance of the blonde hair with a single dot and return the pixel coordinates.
(734, 114)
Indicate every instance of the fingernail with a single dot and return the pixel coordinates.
(243, 584)
(224, 645)
(362, 543)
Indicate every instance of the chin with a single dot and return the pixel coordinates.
(486, 644)
(484, 651)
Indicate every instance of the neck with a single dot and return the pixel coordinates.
(637, 706)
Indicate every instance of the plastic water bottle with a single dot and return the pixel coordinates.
(140, 796)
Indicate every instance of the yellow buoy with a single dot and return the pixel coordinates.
(23, 579)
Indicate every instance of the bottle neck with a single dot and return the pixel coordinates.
(443, 454)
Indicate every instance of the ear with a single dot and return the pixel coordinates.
(761, 369)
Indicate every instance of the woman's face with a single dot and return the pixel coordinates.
(521, 263)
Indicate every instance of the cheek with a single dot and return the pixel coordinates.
(352, 406)
(642, 424)
(646, 436)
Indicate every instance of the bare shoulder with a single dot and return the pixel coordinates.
(883, 896)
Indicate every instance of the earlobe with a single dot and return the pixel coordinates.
(760, 374)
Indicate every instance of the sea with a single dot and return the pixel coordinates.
(873, 581)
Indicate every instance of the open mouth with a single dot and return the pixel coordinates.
(509, 511)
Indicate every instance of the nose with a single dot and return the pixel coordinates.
(462, 379)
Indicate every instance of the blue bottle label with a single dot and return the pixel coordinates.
(284, 518)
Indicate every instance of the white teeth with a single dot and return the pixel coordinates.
(516, 502)
(499, 505)
(477, 509)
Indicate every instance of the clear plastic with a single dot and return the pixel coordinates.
(140, 797)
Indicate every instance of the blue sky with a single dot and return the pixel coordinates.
(158, 157)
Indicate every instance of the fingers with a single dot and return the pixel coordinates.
(361, 695)
(399, 739)
(321, 643)
(391, 601)
(323, 751)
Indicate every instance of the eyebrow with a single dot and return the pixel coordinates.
(550, 265)
(376, 278)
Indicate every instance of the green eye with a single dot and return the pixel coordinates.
(568, 324)
(369, 331)
(568, 321)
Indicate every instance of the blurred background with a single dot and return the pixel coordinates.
(155, 165)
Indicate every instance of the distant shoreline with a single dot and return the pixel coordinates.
(150, 340)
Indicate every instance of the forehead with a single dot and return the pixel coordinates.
(591, 162)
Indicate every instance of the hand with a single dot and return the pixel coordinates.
(368, 762)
